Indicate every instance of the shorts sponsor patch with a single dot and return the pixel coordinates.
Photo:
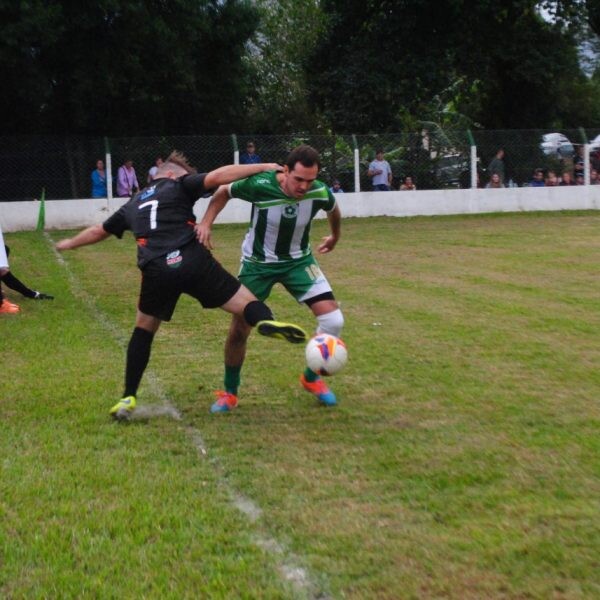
(174, 259)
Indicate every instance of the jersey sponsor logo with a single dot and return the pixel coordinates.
(174, 259)
(262, 181)
(290, 211)
(147, 193)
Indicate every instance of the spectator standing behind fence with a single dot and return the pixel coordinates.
(408, 184)
(538, 179)
(551, 179)
(566, 179)
(127, 182)
(153, 170)
(494, 182)
(594, 177)
(249, 157)
(336, 187)
(497, 165)
(99, 180)
(380, 173)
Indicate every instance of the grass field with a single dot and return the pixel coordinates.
(463, 460)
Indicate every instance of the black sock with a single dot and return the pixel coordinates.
(16, 284)
(138, 355)
(256, 311)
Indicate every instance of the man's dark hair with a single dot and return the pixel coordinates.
(306, 155)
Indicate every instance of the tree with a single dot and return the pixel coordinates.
(278, 55)
(383, 60)
(377, 61)
(125, 68)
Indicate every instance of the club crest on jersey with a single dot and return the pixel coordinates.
(290, 211)
(174, 259)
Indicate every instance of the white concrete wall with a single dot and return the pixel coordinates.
(75, 214)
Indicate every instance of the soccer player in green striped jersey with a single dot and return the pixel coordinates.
(276, 249)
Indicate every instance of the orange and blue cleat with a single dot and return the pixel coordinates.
(224, 403)
(320, 390)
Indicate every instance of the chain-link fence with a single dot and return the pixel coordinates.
(525, 151)
(434, 158)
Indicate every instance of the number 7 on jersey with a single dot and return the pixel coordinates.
(153, 204)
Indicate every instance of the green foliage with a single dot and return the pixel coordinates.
(278, 56)
(216, 66)
(124, 68)
(384, 60)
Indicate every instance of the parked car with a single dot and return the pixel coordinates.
(448, 169)
(556, 144)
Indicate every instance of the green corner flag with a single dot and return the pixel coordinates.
(42, 214)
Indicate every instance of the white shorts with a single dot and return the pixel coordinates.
(3, 257)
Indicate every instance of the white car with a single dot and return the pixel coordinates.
(556, 143)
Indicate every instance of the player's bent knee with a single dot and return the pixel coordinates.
(331, 323)
(256, 311)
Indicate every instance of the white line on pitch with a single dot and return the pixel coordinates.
(296, 575)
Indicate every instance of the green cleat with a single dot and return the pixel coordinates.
(122, 410)
(283, 331)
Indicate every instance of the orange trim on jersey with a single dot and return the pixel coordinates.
(141, 241)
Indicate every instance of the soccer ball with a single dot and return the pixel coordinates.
(326, 354)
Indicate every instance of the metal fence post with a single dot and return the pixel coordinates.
(236, 150)
(473, 160)
(586, 164)
(356, 165)
(586, 157)
(109, 179)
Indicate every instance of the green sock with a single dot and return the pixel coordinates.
(232, 379)
(310, 375)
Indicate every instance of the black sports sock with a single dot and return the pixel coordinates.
(138, 355)
(256, 311)
(16, 284)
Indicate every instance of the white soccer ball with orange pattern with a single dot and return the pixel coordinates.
(326, 354)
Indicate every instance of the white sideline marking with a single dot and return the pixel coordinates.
(297, 576)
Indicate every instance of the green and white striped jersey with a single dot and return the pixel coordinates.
(279, 225)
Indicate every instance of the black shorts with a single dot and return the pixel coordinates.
(190, 270)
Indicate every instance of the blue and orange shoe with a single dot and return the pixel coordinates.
(122, 410)
(224, 403)
(324, 395)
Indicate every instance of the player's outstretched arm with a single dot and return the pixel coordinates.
(90, 235)
(229, 173)
(335, 225)
(215, 206)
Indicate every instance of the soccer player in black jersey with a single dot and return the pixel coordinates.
(173, 261)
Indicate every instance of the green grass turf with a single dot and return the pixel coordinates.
(462, 460)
